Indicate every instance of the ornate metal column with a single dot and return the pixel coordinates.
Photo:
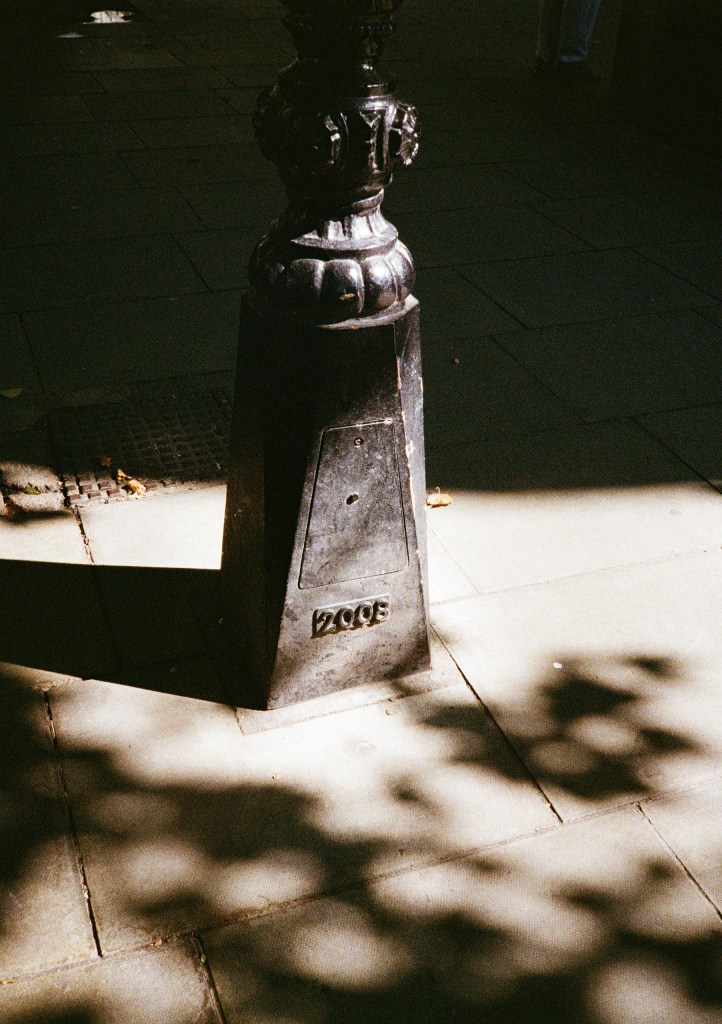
(324, 551)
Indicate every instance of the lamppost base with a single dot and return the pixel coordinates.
(324, 551)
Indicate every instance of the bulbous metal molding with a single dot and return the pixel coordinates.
(336, 130)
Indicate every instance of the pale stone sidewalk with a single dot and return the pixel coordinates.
(531, 833)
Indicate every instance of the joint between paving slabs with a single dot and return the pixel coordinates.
(209, 979)
(71, 822)
(505, 740)
(678, 860)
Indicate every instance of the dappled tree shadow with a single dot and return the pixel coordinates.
(591, 923)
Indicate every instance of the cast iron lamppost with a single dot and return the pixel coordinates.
(324, 550)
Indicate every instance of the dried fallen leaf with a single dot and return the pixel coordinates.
(136, 486)
(438, 500)
(120, 476)
(157, 942)
(105, 460)
(11, 393)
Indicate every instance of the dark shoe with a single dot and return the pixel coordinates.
(544, 68)
(577, 71)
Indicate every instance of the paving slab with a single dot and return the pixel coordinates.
(190, 165)
(78, 216)
(474, 390)
(455, 187)
(182, 530)
(534, 508)
(43, 277)
(31, 140)
(451, 307)
(236, 204)
(608, 685)
(75, 172)
(155, 80)
(196, 131)
(697, 262)
(152, 611)
(625, 367)
(50, 613)
(566, 289)
(608, 222)
(109, 344)
(509, 231)
(45, 921)
(183, 821)
(165, 986)
(693, 435)
(44, 110)
(16, 361)
(138, 105)
(593, 922)
(689, 823)
(220, 257)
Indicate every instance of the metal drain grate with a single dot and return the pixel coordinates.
(165, 434)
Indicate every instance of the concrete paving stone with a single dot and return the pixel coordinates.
(447, 579)
(257, 75)
(443, 674)
(91, 57)
(220, 257)
(240, 204)
(50, 613)
(565, 289)
(454, 188)
(626, 367)
(40, 140)
(693, 435)
(473, 391)
(181, 530)
(189, 165)
(531, 509)
(242, 100)
(43, 277)
(502, 232)
(593, 922)
(714, 313)
(493, 144)
(598, 175)
(277, 52)
(44, 110)
(689, 823)
(23, 678)
(451, 308)
(697, 262)
(68, 172)
(607, 684)
(19, 81)
(147, 339)
(196, 131)
(155, 80)
(197, 678)
(612, 221)
(79, 215)
(44, 916)
(47, 537)
(165, 986)
(160, 105)
(16, 361)
(152, 613)
(183, 821)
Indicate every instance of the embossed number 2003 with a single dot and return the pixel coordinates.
(343, 617)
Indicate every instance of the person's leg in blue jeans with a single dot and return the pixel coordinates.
(565, 27)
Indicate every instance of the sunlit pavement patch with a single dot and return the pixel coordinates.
(110, 17)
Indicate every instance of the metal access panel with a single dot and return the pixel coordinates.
(356, 528)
